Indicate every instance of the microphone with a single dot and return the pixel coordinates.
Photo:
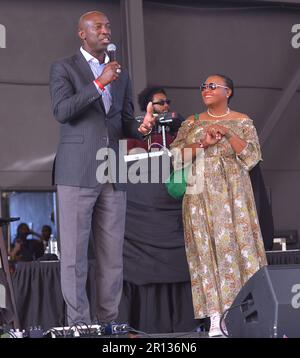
(166, 117)
(172, 119)
(111, 51)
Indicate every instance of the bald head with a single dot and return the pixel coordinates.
(87, 17)
(95, 32)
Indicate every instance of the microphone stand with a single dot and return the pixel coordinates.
(163, 132)
(163, 121)
(159, 153)
(4, 263)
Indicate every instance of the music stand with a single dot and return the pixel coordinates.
(5, 265)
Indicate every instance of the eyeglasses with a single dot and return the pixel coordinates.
(212, 86)
(162, 102)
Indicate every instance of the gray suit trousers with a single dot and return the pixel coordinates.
(101, 212)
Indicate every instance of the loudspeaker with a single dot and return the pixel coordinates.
(268, 305)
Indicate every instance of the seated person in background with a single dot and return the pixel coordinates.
(49, 251)
(24, 249)
(45, 237)
(161, 104)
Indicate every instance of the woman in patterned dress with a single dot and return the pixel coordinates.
(223, 240)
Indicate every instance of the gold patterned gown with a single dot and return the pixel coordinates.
(223, 241)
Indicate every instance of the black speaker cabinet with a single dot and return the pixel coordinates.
(268, 305)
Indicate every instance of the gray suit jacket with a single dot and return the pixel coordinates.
(85, 127)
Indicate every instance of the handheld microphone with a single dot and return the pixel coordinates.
(111, 51)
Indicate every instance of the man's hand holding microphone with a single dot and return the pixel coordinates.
(112, 69)
(110, 73)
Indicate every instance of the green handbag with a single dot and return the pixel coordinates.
(176, 183)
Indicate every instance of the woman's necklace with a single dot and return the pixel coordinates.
(218, 116)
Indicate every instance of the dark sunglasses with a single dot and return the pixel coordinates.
(212, 86)
(162, 102)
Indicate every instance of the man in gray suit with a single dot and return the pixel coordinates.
(92, 100)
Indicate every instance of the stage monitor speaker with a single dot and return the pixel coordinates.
(268, 305)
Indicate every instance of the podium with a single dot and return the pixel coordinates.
(4, 265)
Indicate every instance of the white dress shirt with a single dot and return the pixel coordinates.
(97, 68)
